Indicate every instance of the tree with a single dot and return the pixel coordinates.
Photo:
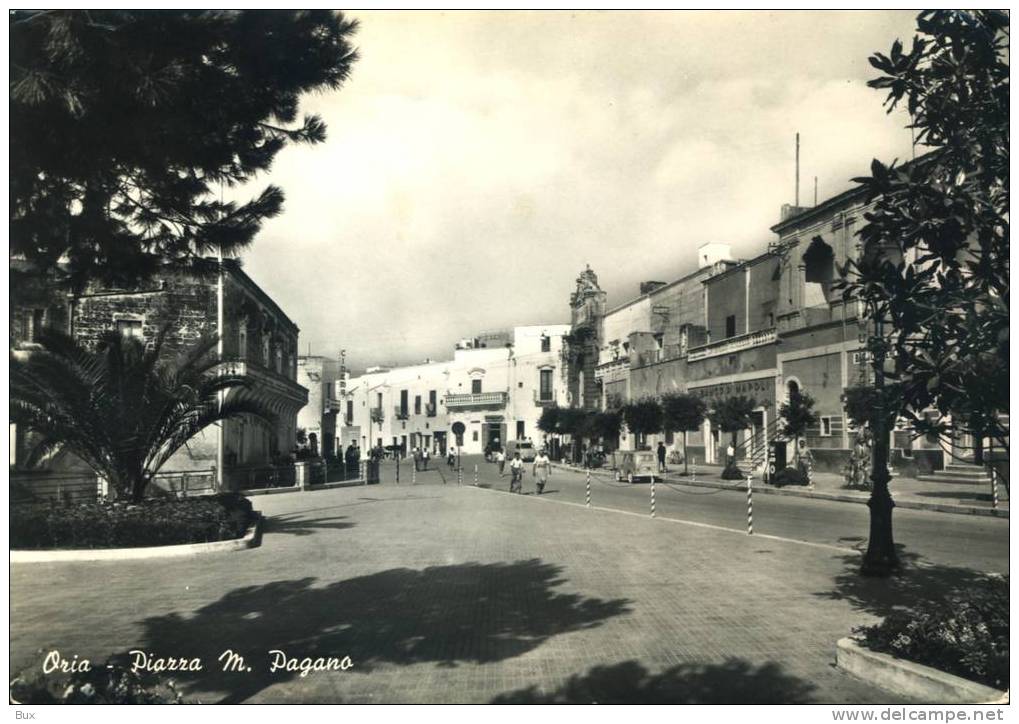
(685, 413)
(643, 418)
(797, 414)
(119, 408)
(572, 422)
(733, 414)
(934, 267)
(606, 425)
(126, 126)
(548, 423)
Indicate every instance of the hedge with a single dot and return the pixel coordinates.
(965, 634)
(156, 522)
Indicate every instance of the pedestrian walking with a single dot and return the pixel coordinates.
(516, 473)
(541, 471)
(424, 459)
(661, 457)
(730, 455)
(500, 457)
(450, 458)
(416, 452)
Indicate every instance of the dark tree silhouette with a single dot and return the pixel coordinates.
(685, 413)
(643, 418)
(125, 126)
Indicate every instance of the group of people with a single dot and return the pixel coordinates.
(541, 470)
(421, 458)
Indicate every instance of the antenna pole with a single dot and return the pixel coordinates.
(815, 191)
(797, 169)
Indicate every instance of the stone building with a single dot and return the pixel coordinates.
(322, 418)
(496, 385)
(258, 339)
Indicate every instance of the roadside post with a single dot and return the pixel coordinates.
(652, 496)
(588, 488)
(475, 475)
(750, 504)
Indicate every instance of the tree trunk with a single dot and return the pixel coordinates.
(881, 558)
(138, 485)
(686, 457)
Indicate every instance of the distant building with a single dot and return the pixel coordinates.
(498, 392)
(255, 332)
(318, 419)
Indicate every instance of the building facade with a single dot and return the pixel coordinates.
(496, 386)
(257, 338)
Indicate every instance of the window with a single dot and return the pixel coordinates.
(350, 412)
(278, 362)
(265, 350)
(378, 400)
(520, 429)
(38, 321)
(546, 343)
(730, 326)
(242, 340)
(545, 385)
(476, 387)
(431, 403)
(403, 402)
(127, 327)
(825, 427)
(474, 436)
(417, 404)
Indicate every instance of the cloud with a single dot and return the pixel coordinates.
(476, 161)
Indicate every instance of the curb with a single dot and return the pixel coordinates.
(836, 497)
(907, 678)
(252, 539)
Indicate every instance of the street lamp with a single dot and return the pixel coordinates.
(880, 558)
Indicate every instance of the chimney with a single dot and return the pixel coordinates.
(648, 287)
(713, 252)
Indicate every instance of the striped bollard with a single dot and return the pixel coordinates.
(414, 474)
(588, 488)
(652, 496)
(459, 476)
(693, 475)
(475, 476)
(994, 488)
(750, 505)
(363, 466)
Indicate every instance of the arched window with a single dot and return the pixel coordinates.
(819, 273)
(242, 339)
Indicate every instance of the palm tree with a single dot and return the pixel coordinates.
(119, 407)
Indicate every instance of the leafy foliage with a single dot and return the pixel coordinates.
(154, 522)
(966, 635)
(797, 413)
(683, 412)
(128, 123)
(112, 682)
(935, 260)
(643, 417)
(733, 414)
(605, 425)
(572, 421)
(120, 408)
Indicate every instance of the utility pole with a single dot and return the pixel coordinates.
(880, 558)
(797, 169)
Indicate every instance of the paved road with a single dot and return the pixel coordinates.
(942, 539)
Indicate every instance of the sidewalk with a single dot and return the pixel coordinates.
(907, 492)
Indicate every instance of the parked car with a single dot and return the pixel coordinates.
(524, 447)
(636, 465)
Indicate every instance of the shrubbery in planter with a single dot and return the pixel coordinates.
(965, 635)
(155, 522)
(112, 682)
(789, 476)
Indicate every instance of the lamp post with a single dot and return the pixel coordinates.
(880, 558)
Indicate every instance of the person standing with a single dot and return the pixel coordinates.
(661, 456)
(424, 458)
(516, 473)
(500, 457)
(541, 471)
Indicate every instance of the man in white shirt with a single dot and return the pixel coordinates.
(500, 457)
(542, 468)
(517, 473)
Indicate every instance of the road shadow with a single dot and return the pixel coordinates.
(448, 615)
(297, 524)
(734, 682)
(982, 497)
(916, 584)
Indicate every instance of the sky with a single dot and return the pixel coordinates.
(476, 161)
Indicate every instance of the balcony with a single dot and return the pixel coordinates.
(430, 410)
(476, 399)
(733, 344)
(544, 399)
(400, 413)
(377, 415)
(268, 383)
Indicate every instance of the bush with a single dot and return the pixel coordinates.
(732, 472)
(155, 522)
(789, 476)
(111, 683)
(965, 635)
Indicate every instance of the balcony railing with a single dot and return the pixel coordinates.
(430, 410)
(544, 399)
(400, 413)
(733, 344)
(476, 399)
(377, 414)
